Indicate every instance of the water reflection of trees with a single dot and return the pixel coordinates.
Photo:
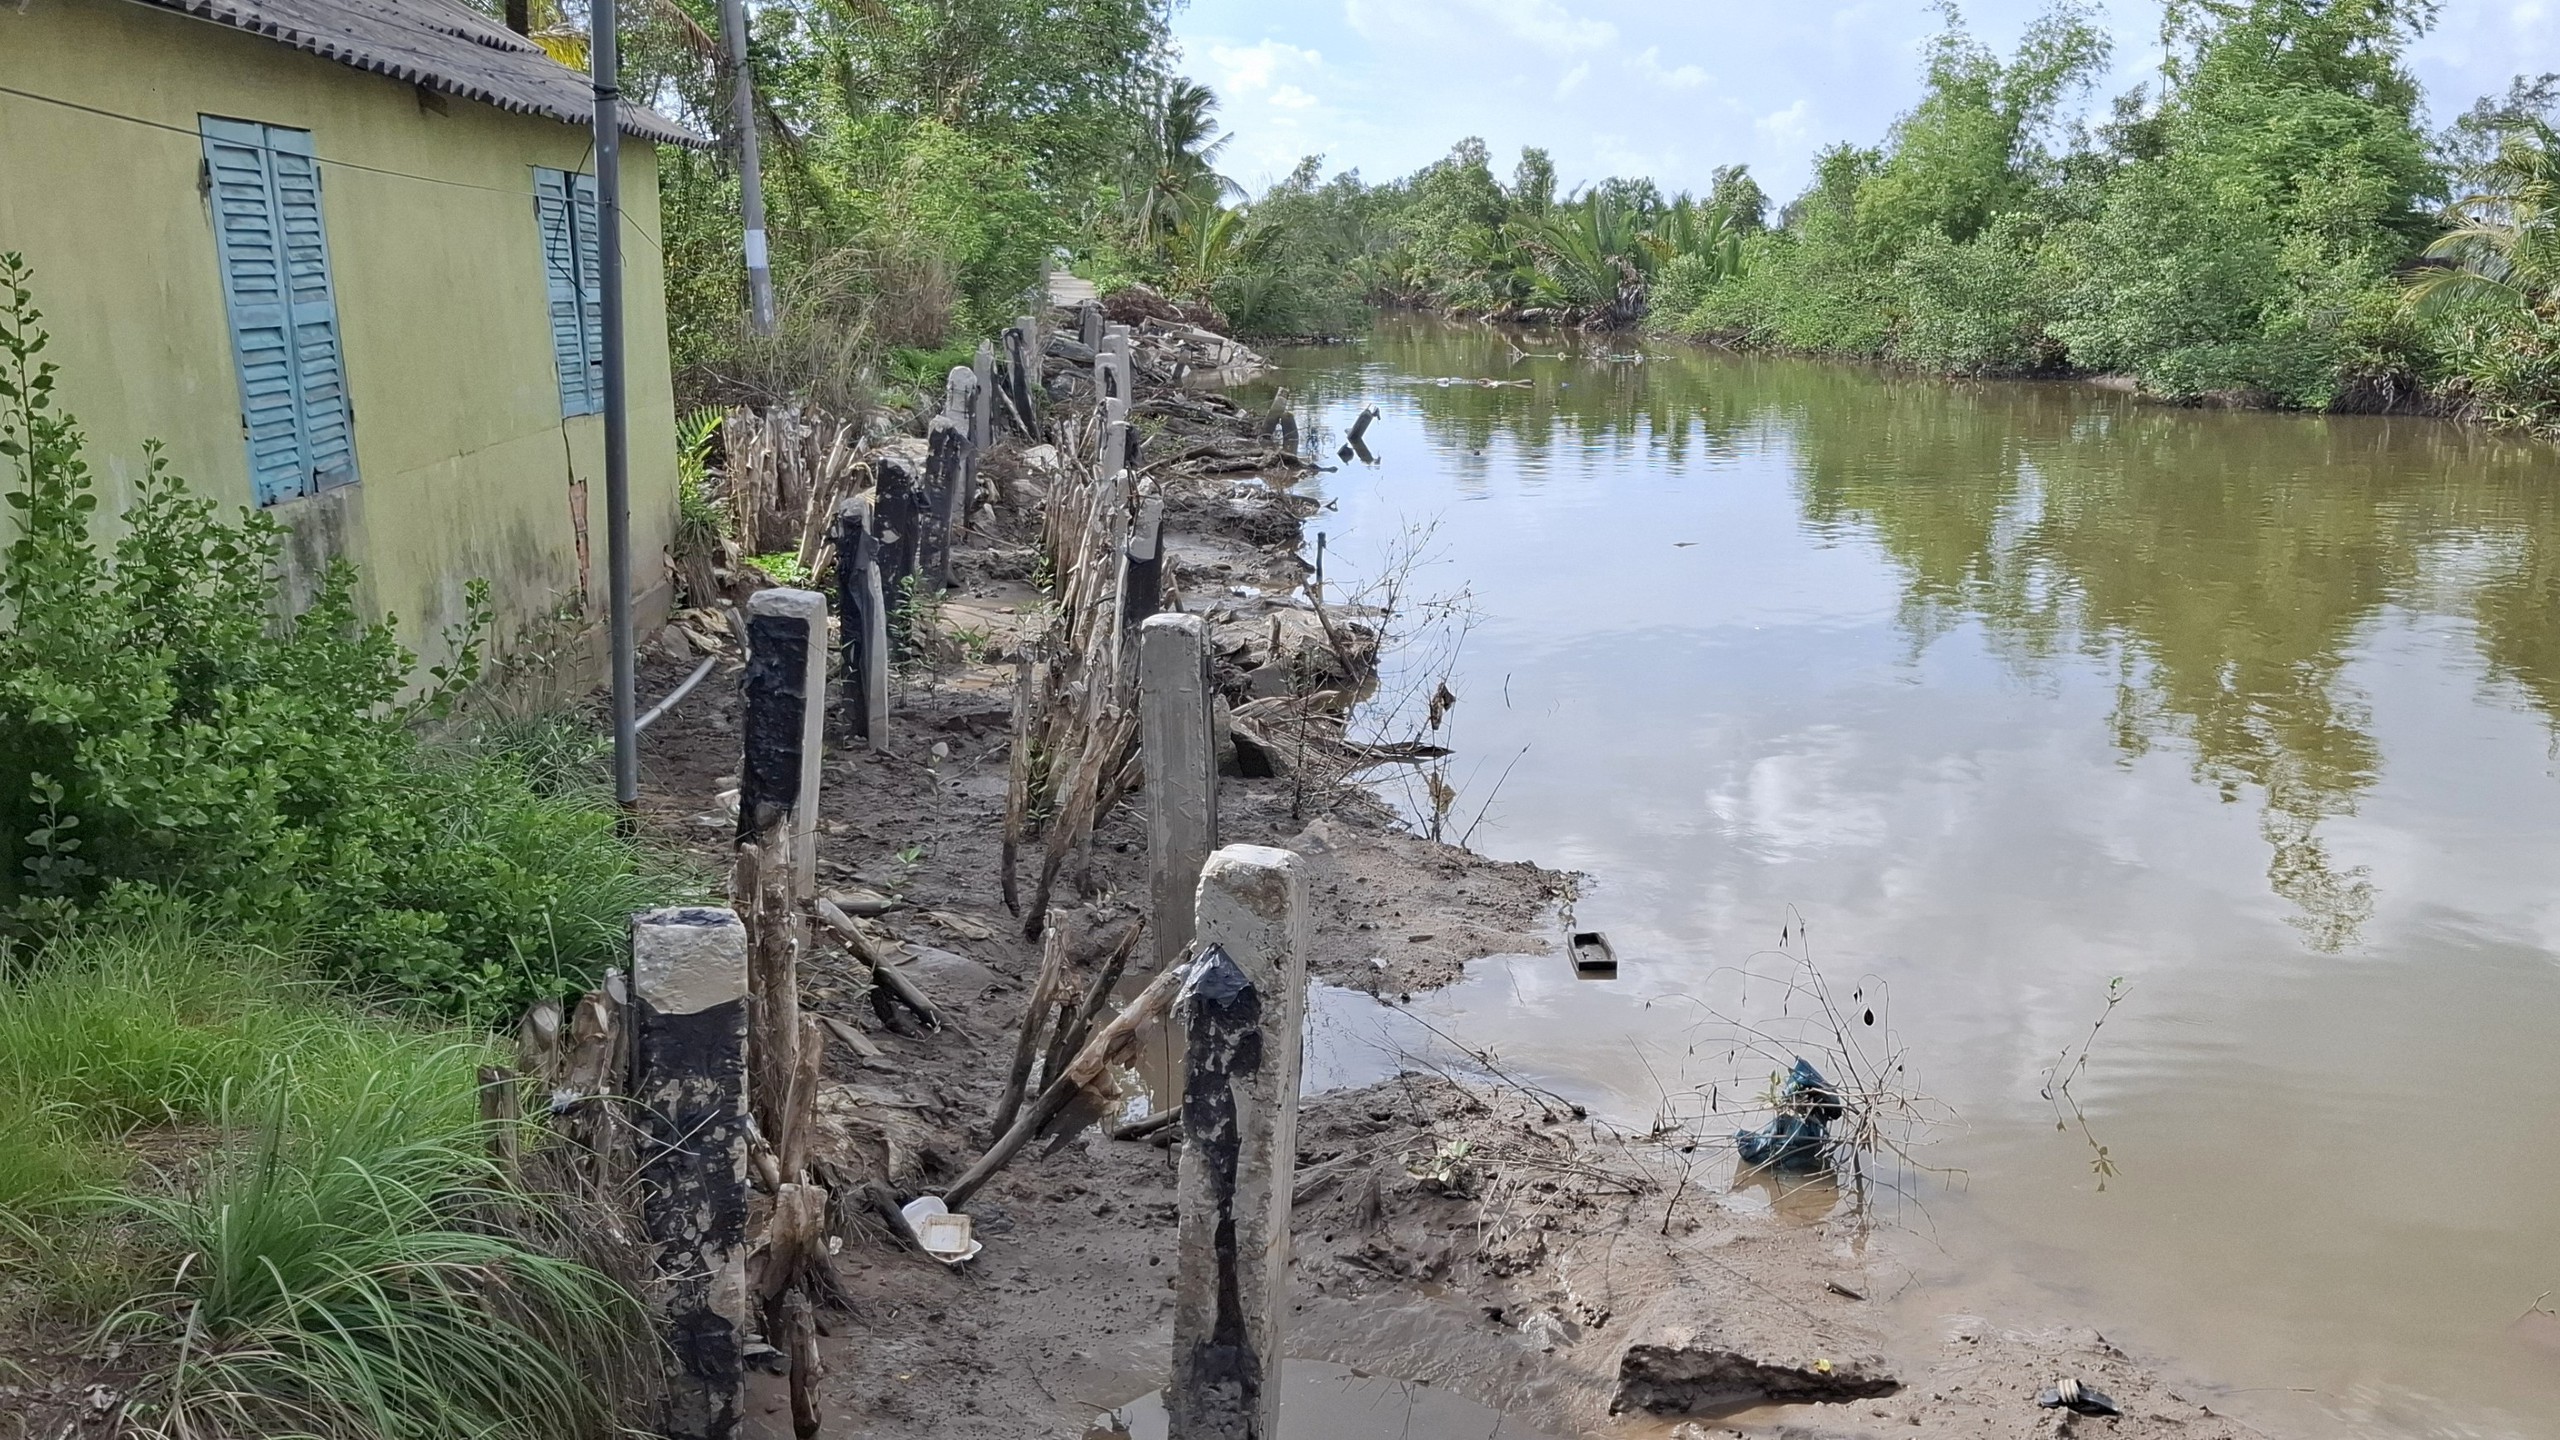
(2225, 568)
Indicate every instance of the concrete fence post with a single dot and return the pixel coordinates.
(898, 514)
(1026, 375)
(689, 1074)
(1089, 324)
(865, 622)
(1020, 361)
(1110, 455)
(946, 484)
(982, 429)
(960, 402)
(786, 725)
(1241, 1008)
(1182, 774)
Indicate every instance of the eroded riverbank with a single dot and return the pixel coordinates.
(1482, 1239)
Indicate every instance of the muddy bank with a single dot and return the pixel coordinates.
(1487, 1241)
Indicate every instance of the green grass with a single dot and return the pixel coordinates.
(282, 1203)
(155, 1025)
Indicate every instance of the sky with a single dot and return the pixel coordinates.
(1668, 90)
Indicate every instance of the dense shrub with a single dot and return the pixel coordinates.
(168, 731)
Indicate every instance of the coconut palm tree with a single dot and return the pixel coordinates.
(1173, 173)
(2502, 251)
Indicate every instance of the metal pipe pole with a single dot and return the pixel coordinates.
(742, 110)
(617, 406)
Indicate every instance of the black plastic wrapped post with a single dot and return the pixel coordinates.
(898, 514)
(689, 1079)
(785, 729)
(946, 481)
(1242, 1008)
(1225, 1384)
(1142, 582)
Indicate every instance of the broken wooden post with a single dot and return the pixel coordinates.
(1182, 773)
(689, 1067)
(864, 620)
(1241, 1006)
(1142, 569)
(786, 722)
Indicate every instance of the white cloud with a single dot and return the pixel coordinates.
(1573, 79)
(1245, 69)
(1791, 126)
(1543, 23)
(1683, 77)
(1290, 97)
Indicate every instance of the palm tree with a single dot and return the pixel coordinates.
(1174, 174)
(1208, 242)
(1595, 257)
(2503, 249)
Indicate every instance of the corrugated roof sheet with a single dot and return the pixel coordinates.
(440, 44)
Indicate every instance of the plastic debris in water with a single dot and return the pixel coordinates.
(1794, 1138)
(2079, 1399)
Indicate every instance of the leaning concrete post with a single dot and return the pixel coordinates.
(786, 725)
(865, 622)
(1182, 774)
(1026, 375)
(1241, 1008)
(689, 1074)
(1089, 324)
(1017, 385)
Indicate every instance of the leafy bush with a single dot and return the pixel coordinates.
(166, 730)
(1982, 307)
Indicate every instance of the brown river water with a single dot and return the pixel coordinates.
(1993, 702)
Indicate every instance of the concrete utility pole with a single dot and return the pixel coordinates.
(742, 110)
(603, 49)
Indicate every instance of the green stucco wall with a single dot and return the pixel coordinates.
(467, 468)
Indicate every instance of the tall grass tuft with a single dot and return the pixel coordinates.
(299, 1189)
(358, 1271)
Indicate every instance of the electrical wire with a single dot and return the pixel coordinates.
(654, 241)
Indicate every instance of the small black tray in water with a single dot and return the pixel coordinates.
(1593, 959)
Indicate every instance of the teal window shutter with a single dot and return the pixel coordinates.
(273, 252)
(564, 207)
(590, 290)
(328, 428)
